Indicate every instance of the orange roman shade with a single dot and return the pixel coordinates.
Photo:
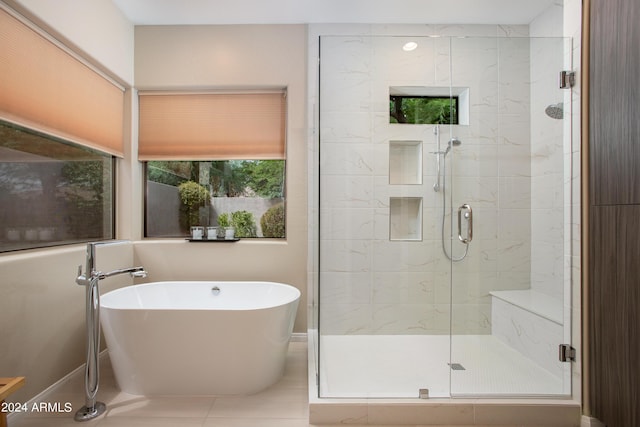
(212, 126)
(46, 88)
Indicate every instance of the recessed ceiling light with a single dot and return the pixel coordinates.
(409, 46)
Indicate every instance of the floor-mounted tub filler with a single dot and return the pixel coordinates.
(90, 279)
(198, 338)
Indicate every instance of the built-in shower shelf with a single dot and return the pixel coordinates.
(405, 162)
(405, 218)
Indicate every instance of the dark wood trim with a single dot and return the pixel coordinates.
(611, 240)
(584, 203)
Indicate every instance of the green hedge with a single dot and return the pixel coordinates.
(272, 221)
(193, 196)
(242, 221)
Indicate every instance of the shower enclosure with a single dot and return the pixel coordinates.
(443, 239)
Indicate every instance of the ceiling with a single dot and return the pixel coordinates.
(200, 12)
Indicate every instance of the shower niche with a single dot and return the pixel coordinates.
(405, 168)
(405, 218)
(405, 162)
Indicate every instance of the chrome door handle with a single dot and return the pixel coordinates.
(468, 215)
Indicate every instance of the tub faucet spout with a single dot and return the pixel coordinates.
(133, 272)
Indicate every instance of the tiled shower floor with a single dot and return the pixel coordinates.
(397, 366)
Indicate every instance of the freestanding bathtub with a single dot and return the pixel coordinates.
(198, 338)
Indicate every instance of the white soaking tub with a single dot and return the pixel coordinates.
(198, 338)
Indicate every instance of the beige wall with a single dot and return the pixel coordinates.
(233, 57)
(42, 320)
(42, 312)
(97, 29)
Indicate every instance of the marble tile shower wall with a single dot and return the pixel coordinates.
(372, 285)
(550, 186)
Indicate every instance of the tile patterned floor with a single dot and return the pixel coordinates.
(283, 405)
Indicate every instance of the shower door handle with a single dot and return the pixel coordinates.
(468, 215)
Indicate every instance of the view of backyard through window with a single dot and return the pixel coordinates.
(423, 109)
(245, 194)
(52, 192)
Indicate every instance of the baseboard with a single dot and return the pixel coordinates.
(43, 396)
(299, 337)
(590, 422)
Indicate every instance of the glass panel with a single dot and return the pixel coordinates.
(384, 285)
(405, 304)
(52, 192)
(508, 292)
(247, 195)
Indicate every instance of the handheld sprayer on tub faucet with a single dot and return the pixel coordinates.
(89, 280)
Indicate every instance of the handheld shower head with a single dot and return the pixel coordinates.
(453, 142)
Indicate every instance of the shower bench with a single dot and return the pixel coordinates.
(530, 322)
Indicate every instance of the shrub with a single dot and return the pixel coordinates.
(242, 221)
(244, 224)
(223, 220)
(193, 196)
(272, 222)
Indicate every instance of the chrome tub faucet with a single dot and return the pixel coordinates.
(90, 279)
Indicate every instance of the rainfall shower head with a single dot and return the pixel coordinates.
(555, 111)
(453, 142)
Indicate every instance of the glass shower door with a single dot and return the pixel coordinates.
(384, 286)
(509, 307)
(442, 245)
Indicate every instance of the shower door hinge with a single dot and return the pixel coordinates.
(567, 79)
(566, 353)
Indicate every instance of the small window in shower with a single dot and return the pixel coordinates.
(423, 110)
(422, 105)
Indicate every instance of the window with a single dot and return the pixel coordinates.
(52, 191)
(212, 159)
(182, 194)
(423, 109)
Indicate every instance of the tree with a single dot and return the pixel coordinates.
(227, 178)
(265, 177)
(422, 110)
(168, 172)
(193, 196)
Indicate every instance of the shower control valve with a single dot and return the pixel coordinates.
(468, 216)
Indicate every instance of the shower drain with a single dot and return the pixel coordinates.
(456, 366)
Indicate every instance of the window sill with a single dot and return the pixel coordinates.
(212, 240)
